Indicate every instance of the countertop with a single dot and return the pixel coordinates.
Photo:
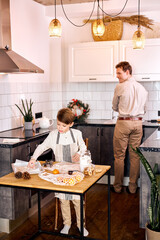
(113, 122)
(152, 144)
(30, 135)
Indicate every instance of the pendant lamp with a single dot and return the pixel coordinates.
(55, 29)
(138, 37)
(98, 25)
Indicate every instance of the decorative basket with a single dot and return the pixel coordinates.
(113, 31)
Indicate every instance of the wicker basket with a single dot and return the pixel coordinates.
(113, 31)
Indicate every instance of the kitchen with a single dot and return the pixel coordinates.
(51, 91)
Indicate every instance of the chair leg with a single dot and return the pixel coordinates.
(56, 213)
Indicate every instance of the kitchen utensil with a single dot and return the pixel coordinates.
(45, 122)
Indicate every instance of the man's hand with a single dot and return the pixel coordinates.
(31, 163)
(76, 158)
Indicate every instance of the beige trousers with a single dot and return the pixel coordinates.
(127, 132)
(66, 211)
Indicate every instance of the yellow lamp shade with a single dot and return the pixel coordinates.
(55, 29)
(138, 40)
(98, 27)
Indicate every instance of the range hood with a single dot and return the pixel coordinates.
(11, 62)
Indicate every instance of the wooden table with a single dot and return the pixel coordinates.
(79, 189)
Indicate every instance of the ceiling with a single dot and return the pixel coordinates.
(58, 2)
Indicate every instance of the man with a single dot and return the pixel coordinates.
(129, 101)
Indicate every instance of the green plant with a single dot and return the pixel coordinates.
(27, 110)
(154, 207)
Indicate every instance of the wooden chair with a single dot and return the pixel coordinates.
(86, 142)
(57, 201)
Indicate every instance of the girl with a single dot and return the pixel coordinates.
(66, 144)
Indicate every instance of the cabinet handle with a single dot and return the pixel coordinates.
(92, 79)
(145, 77)
(29, 151)
(102, 132)
(97, 131)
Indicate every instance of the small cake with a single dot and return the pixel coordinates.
(72, 181)
(78, 178)
(60, 179)
(65, 180)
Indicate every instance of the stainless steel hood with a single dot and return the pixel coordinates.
(11, 62)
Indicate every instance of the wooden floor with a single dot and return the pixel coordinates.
(124, 218)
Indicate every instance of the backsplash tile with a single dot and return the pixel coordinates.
(50, 97)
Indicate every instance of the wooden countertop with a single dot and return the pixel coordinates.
(37, 183)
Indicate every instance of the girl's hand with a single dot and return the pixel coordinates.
(31, 163)
(76, 158)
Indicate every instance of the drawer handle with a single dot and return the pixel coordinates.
(92, 79)
(145, 77)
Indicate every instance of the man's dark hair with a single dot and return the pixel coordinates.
(125, 66)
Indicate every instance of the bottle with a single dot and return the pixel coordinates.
(85, 160)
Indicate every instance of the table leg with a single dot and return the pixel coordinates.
(81, 214)
(39, 211)
(109, 210)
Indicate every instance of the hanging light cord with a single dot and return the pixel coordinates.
(115, 14)
(55, 8)
(138, 14)
(98, 9)
(74, 23)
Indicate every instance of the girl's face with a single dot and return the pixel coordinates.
(63, 127)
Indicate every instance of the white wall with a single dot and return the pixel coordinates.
(29, 28)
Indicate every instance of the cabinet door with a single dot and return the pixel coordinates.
(20, 152)
(93, 62)
(93, 135)
(106, 153)
(145, 62)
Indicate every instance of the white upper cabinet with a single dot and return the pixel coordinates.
(145, 62)
(93, 61)
(96, 61)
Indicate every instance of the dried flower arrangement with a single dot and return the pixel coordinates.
(133, 20)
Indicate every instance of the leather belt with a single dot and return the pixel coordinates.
(130, 118)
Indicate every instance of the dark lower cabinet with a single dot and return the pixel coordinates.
(15, 202)
(101, 144)
(92, 133)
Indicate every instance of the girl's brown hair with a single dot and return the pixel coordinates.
(65, 115)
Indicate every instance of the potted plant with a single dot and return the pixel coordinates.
(27, 113)
(153, 226)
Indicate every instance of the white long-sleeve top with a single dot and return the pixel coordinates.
(129, 99)
(65, 139)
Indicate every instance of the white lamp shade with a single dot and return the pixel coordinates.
(55, 29)
(138, 40)
(98, 27)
